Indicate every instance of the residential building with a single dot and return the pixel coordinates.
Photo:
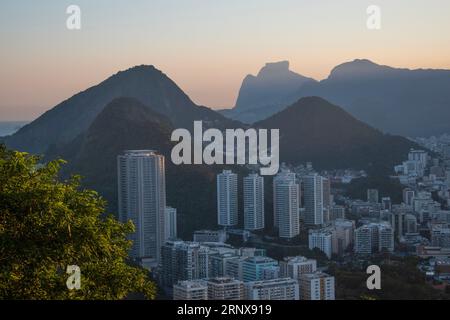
(170, 223)
(183, 260)
(321, 239)
(372, 195)
(294, 267)
(190, 290)
(317, 286)
(313, 197)
(374, 237)
(288, 210)
(337, 212)
(142, 199)
(253, 202)
(274, 289)
(284, 177)
(363, 240)
(408, 196)
(210, 236)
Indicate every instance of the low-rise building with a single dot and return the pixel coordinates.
(317, 286)
(190, 290)
(274, 289)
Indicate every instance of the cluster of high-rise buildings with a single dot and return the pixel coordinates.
(211, 270)
(415, 165)
(142, 199)
(288, 210)
(207, 268)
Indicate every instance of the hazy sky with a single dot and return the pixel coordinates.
(206, 46)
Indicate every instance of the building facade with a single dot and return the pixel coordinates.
(313, 197)
(142, 199)
(321, 239)
(227, 200)
(253, 202)
(190, 290)
(317, 286)
(274, 289)
(170, 223)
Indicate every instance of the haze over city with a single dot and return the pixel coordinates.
(207, 48)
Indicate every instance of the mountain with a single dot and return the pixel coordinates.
(312, 129)
(397, 101)
(125, 124)
(147, 84)
(274, 87)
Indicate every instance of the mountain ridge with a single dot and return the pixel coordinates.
(409, 102)
(315, 130)
(273, 86)
(125, 123)
(152, 87)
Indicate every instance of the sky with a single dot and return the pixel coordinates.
(206, 46)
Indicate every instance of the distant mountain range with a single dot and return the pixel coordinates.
(147, 84)
(397, 101)
(312, 129)
(9, 127)
(89, 131)
(274, 86)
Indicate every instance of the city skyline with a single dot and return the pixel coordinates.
(325, 177)
(233, 39)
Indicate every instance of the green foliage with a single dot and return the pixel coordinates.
(46, 225)
(386, 186)
(400, 280)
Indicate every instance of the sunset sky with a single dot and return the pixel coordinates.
(207, 47)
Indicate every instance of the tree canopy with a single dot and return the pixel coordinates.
(47, 224)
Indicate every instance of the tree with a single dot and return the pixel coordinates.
(47, 224)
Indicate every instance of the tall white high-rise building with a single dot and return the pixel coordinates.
(210, 236)
(142, 199)
(171, 223)
(227, 200)
(313, 189)
(410, 223)
(253, 202)
(287, 209)
(420, 156)
(183, 260)
(285, 176)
